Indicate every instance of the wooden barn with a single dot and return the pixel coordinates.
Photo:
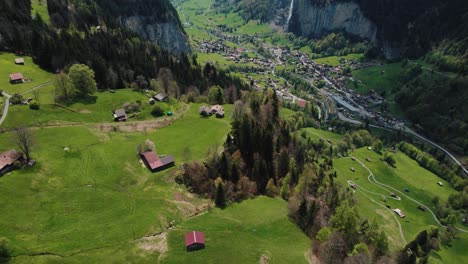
(19, 61)
(155, 163)
(16, 78)
(194, 240)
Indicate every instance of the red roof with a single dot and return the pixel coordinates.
(194, 237)
(152, 159)
(302, 103)
(16, 76)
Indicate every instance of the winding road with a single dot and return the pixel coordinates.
(371, 178)
(5, 107)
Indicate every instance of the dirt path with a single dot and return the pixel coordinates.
(371, 178)
(5, 107)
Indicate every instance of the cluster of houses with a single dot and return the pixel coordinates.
(216, 110)
(120, 115)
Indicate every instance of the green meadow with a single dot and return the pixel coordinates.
(98, 194)
(379, 78)
(242, 233)
(29, 70)
(335, 60)
(93, 109)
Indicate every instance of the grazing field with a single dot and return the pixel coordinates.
(242, 233)
(335, 60)
(380, 78)
(93, 109)
(373, 198)
(96, 199)
(30, 71)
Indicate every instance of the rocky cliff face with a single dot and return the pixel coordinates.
(168, 35)
(313, 20)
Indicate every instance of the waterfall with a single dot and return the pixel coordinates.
(290, 13)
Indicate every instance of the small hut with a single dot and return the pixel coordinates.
(194, 240)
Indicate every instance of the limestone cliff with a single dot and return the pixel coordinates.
(313, 20)
(155, 20)
(168, 35)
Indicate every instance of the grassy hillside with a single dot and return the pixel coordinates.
(379, 78)
(96, 199)
(242, 233)
(29, 71)
(94, 109)
(335, 60)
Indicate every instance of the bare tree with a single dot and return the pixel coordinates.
(23, 139)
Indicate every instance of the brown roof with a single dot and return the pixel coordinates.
(9, 157)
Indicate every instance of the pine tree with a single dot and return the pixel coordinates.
(220, 199)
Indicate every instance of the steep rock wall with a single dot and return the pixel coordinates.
(167, 35)
(313, 20)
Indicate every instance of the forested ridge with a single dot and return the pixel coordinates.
(88, 33)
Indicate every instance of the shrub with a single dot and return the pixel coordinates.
(157, 111)
(34, 105)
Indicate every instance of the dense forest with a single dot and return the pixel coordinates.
(436, 103)
(117, 55)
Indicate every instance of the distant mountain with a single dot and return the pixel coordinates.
(407, 28)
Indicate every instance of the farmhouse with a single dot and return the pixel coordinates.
(8, 159)
(399, 212)
(19, 61)
(16, 78)
(194, 240)
(204, 111)
(216, 109)
(120, 115)
(160, 97)
(155, 163)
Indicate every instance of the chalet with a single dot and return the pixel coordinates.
(399, 212)
(220, 114)
(155, 163)
(194, 240)
(352, 169)
(440, 184)
(216, 108)
(205, 110)
(120, 115)
(19, 61)
(16, 78)
(160, 97)
(8, 159)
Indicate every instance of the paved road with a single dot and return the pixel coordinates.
(411, 132)
(5, 108)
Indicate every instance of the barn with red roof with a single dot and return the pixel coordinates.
(155, 163)
(194, 240)
(16, 78)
